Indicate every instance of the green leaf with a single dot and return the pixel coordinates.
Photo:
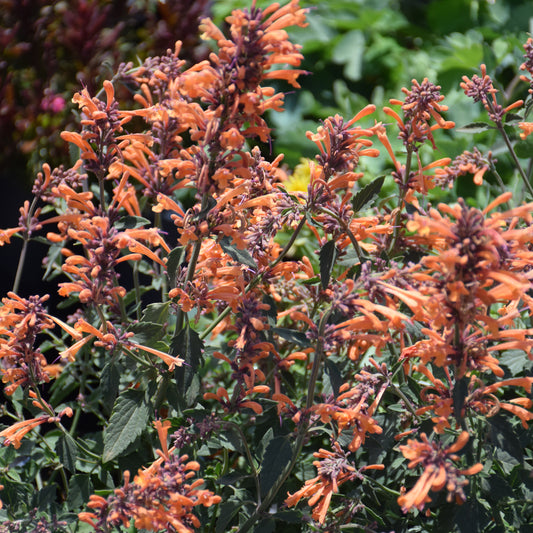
(241, 256)
(504, 438)
(67, 451)
(109, 383)
(296, 337)
(129, 419)
(228, 510)
(328, 254)
(174, 260)
(334, 375)
(471, 517)
(474, 127)
(131, 222)
(349, 52)
(367, 194)
(146, 333)
(79, 490)
(156, 312)
(265, 526)
(277, 456)
(187, 345)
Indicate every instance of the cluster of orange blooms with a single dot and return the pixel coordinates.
(467, 292)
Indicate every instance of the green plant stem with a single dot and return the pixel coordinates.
(102, 318)
(302, 430)
(164, 284)
(137, 289)
(248, 456)
(403, 191)
(507, 141)
(191, 268)
(348, 232)
(24, 250)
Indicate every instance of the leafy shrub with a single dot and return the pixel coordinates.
(375, 376)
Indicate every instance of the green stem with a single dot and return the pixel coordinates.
(348, 232)
(507, 141)
(403, 192)
(248, 456)
(23, 252)
(137, 289)
(302, 430)
(191, 268)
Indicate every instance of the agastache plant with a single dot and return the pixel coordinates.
(364, 385)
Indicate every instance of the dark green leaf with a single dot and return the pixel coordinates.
(334, 375)
(79, 490)
(241, 256)
(174, 260)
(109, 383)
(328, 254)
(45, 497)
(156, 312)
(265, 526)
(67, 451)
(296, 337)
(146, 333)
(513, 117)
(277, 457)
(129, 418)
(228, 510)
(187, 345)
(292, 517)
(503, 437)
(471, 517)
(311, 281)
(367, 194)
(474, 127)
(272, 312)
(131, 222)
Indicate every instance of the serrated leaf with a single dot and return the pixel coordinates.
(156, 312)
(145, 333)
(241, 256)
(67, 451)
(131, 222)
(475, 127)
(367, 194)
(174, 259)
(277, 456)
(328, 254)
(296, 337)
(129, 419)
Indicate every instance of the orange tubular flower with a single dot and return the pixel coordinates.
(161, 497)
(334, 469)
(439, 471)
(422, 103)
(22, 320)
(15, 433)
